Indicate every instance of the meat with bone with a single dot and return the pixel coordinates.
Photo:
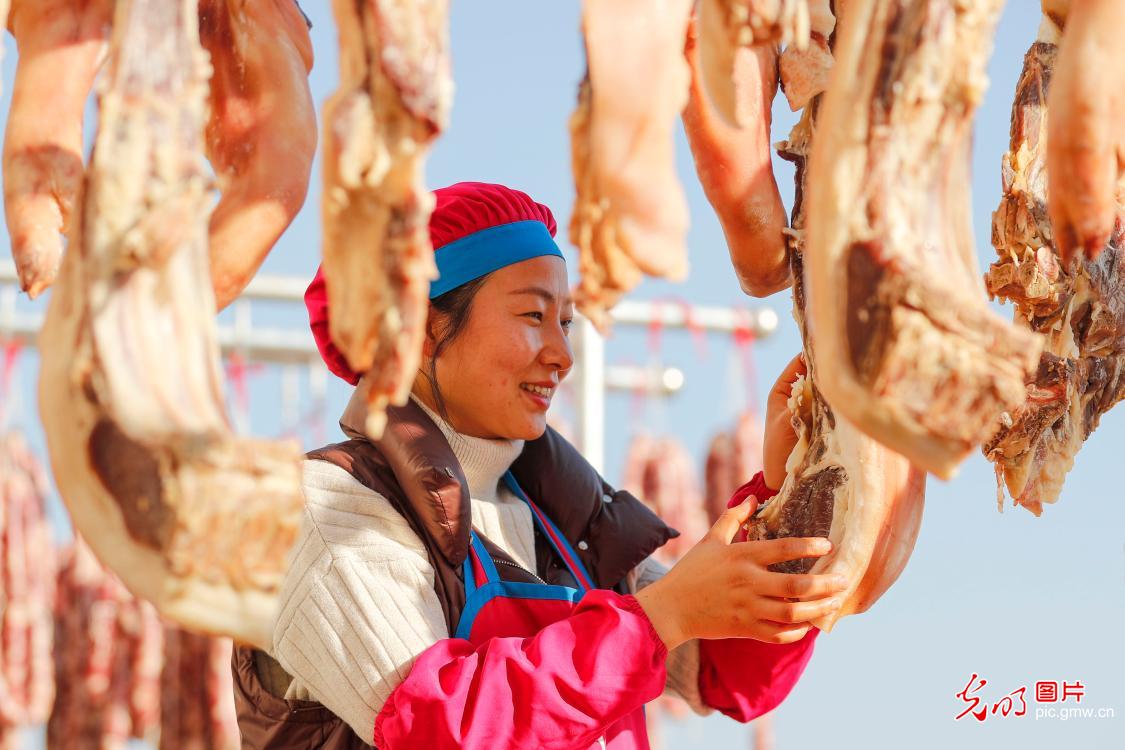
(1077, 306)
(630, 215)
(839, 483)
(43, 140)
(393, 101)
(261, 132)
(107, 659)
(197, 693)
(734, 166)
(193, 519)
(1086, 132)
(918, 361)
(27, 590)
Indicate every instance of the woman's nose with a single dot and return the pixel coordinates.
(557, 352)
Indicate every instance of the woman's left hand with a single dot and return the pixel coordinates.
(780, 436)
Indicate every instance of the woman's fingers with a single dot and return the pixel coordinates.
(789, 375)
(770, 551)
(799, 586)
(781, 611)
(775, 633)
(727, 525)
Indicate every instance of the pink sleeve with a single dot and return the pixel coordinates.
(744, 678)
(561, 687)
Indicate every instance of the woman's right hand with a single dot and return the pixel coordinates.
(721, 589)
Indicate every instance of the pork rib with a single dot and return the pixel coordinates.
(917, 359)
(393, 101)
(61, 44)
(839, 483)
(1086, 143)
(1077, 306)
(261, 132)
(630, 215)
(735, 168)
(191, 518)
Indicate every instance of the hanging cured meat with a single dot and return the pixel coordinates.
(197, 693)
(917, 359)
(394, 99)
(733, 164)
(630, 215)
(191, 518)
(662, 474)
(840, 484)
(1086, 143)
(805, 70)
(261, 130)
(1077, 305)
(261, 133)
(107, 659)
(733, 457)
(43, 140)
(27, 591)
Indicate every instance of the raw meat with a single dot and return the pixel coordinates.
(1086, 143)
(43, 140)
(193, 519)
(734, 166)
(1078, 306)
(261, 132)
(840, 483)
(27, 590)
(630, 215)
(107, 659)
(917, 360)
(393, 101)
(197, 693)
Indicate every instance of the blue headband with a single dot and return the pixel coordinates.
(489, 249)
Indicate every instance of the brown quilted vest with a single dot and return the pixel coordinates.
(415, 469)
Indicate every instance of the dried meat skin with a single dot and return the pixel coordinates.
(1078, 306)
(1086, 144)
(192, 518)
(43, 163)
(735, 167)
(918, 360)
(630, 215)
(261, 130)
(393, 101)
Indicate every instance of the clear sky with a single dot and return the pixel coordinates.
(1008, 596)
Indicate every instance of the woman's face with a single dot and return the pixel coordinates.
(498, 376)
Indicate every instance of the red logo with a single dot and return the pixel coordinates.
(1014, 703)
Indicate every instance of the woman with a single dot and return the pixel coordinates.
(470, 581)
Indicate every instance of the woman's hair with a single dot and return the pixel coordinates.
(454, 307)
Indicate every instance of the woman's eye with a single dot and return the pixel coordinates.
(567, 323)
(537, 315)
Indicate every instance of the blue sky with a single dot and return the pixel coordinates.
(1010, 597)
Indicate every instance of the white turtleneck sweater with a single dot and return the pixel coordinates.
(358, 604)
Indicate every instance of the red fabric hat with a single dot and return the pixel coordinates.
(462, 209)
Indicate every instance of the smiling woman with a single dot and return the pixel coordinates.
(468, 580)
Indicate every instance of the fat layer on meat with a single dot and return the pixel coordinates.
(193, 519)
(917, 359)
